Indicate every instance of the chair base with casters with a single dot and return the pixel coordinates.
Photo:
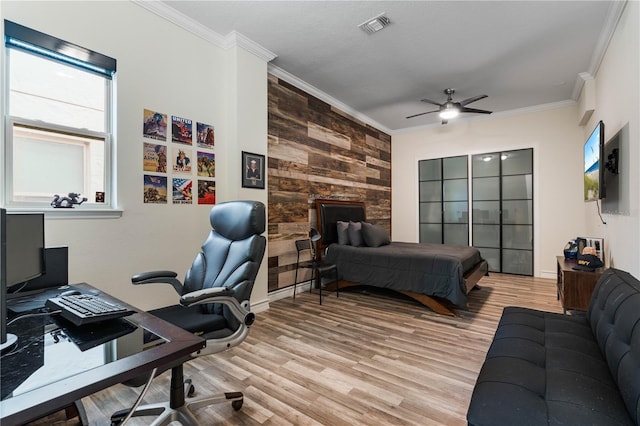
(180, 406)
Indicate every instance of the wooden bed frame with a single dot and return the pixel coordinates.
(351, 212)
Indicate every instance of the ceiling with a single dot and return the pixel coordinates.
(522, 54)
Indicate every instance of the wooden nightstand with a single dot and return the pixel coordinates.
(575, 287)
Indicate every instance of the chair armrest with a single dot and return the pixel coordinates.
(205, 294)
(222, 295)
(161, 277)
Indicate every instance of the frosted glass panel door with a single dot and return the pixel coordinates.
(517, 212)
(485, 183)
(444, 200)
(502, 202)
(430, 180)
(455, 200)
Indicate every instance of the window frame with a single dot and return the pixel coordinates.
(45, 47)
(33, 202)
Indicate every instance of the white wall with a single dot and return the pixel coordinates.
(617, 103)
(556, 140)
(164, 68)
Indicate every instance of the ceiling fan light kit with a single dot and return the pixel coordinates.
(450, 109)
(449, 112)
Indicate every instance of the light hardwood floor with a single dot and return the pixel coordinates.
(360, 359)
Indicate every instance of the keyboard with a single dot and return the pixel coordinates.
(81, 309)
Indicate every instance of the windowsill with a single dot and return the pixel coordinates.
(71, 213)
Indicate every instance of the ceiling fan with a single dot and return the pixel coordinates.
(450, 109)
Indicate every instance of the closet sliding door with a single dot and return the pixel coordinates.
(502, 200)
(517, 212)
(444, 200)
(485, 183)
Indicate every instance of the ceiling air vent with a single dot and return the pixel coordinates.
(373, 25)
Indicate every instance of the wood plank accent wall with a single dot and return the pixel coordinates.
(317, 151)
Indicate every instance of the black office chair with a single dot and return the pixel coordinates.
(214, 302)
(318, 267)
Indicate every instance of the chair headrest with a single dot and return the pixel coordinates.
(237, 220)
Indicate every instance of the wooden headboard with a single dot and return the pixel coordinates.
(331, 211)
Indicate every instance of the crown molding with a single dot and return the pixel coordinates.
(616, 8)
(231, 40)
(312, 90)
(181, 20)
(236, 39)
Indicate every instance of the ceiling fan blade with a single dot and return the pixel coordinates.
(475, 110)
(475, 98)
(422, 113)
(429, 101)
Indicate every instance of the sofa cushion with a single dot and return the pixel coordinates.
(545, 368)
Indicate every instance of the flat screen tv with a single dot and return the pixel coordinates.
(594, 184)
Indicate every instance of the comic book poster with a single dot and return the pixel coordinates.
(181, 160)
(181, 130)
(182, 191)
(206, 135)
(206, 191)
(155, 189)
(155, 125)
(206, 164)
(154, 158)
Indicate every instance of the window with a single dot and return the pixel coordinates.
(58, 121)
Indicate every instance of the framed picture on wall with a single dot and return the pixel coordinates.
(252, 170)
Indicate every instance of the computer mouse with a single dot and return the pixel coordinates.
(70, 293)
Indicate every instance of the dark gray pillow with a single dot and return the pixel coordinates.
(343, 234)
(374, 236)
(355, 234)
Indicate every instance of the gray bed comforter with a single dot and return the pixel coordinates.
(430, 269)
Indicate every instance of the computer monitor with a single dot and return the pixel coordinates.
(21, 258)
(25, 247)
(56, 266)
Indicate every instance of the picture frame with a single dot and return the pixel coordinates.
(253, 169)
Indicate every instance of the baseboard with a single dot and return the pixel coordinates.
(261, 306)
(288, 291)
(282, 293)
(552, 275)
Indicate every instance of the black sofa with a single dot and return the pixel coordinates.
(546, 368)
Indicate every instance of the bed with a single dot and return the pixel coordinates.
(436, 275)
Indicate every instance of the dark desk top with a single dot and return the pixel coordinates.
(46, 371)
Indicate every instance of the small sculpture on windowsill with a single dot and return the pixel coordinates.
(67, 202)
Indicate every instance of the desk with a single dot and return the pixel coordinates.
(53, 388)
